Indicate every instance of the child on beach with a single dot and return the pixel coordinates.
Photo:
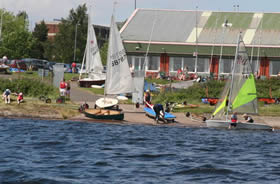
(6, 96)
(20, 98)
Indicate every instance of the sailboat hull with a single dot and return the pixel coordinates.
(240, 125)
(104, 114)
(87, 83)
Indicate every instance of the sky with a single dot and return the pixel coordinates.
(48, 10)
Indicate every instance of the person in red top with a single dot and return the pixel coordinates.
(233, 119)
(73, 67)
(20, 98)
(62, 88)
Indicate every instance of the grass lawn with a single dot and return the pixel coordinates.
(33, 107)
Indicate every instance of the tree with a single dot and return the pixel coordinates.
(103, 53)
(64, 41)
(40, 34)
(16, 41)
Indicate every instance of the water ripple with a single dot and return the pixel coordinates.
(62, 152)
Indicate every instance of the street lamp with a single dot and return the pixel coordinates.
(1, 23)
(75, 42)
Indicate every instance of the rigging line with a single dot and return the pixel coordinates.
(260, 39)
(222, 42)
(214, 41)
(150, 39)
(252, 52)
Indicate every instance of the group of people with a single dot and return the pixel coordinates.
(233, 122)
(6, 96)
(183, 74)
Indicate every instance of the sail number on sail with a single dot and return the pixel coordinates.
(118, 57)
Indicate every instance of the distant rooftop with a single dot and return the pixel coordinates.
(202, 27)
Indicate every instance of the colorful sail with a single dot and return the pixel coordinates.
(221, 106)
(247, 93)
(118, 78)
(243, 96)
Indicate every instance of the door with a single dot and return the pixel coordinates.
(264, 67)
(214, 67)
(164, 64)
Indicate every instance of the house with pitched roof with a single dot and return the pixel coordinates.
(202, 41)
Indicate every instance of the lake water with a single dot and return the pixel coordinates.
(37, 151)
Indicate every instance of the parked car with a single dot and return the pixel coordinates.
(67, 68)
(50, 65)
(35, 64)
(19, 64)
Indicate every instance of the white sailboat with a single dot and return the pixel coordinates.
(91, 61)
(118, 77)
(239, 94)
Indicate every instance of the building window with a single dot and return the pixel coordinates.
(274, 67)
(139, 63)
(153, 63)
(130, 60)
(175, 63)
(202, 64)
(189, 62)
(226, 65)
(254, 66)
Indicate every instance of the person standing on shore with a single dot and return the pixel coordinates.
(68, 87)
(62, 87)
(147, 98)
(6, 96)
(73, 67)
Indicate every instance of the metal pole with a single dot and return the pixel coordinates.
(1, 23)
(135, 4)
(196, 42)
(75, 44)
(222, 45)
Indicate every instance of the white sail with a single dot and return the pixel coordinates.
(93, 64)
(118, 76)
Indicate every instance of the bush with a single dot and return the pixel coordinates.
(29, 87)
(215, 87)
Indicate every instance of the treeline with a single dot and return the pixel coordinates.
(17, 41)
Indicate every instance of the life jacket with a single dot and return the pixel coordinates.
(63, 85)
(233, 119)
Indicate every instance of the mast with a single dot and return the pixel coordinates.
(196, 42)
(232, 73)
